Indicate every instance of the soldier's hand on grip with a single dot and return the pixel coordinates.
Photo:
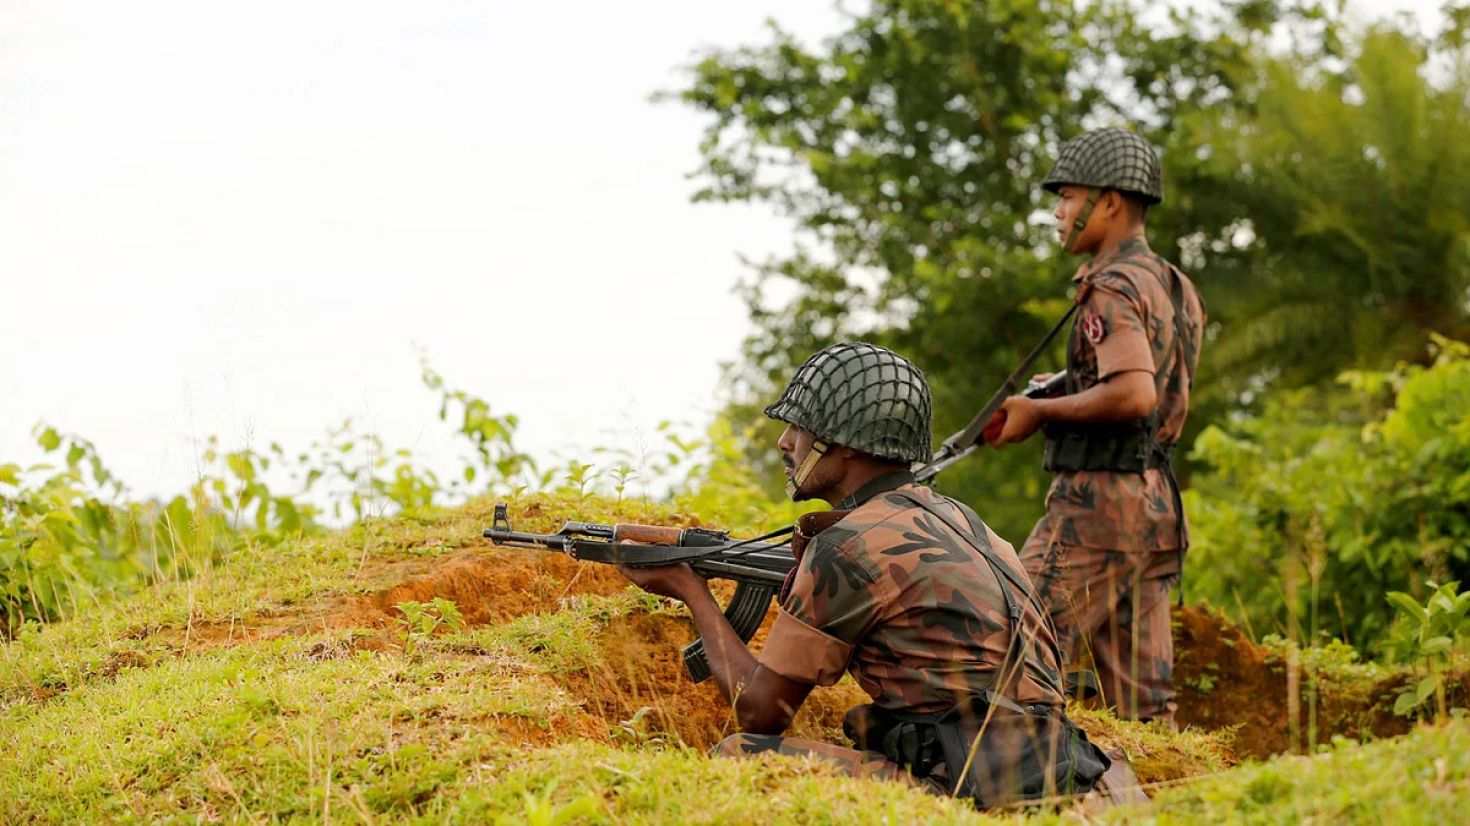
(1021, 418)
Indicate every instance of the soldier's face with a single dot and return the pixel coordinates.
(794, 444)
(1070, 202)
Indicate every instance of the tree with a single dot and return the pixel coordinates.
(907, 149)
(1353, 183)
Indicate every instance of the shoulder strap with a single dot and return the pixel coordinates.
(1181, 319)
(975, 537)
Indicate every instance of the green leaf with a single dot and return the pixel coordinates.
(1436, 645)
(49, 439)
(1405, 703)
(1408, 606)
(1425, 688)
(1441, 603)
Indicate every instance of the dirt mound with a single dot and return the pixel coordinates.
(487, 587)
(640, 659)
(642, 667)
(1225, 680)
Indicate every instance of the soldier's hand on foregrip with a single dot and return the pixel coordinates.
(673, 581)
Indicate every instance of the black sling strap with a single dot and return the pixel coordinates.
(976, 538)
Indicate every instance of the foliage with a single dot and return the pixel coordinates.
(68, 539)
(636, 730)
(490, 436)
(1310, 513)
(69, 536)
(1421, 778)
(1316, 189)
(1352, 182)
(1430, 634)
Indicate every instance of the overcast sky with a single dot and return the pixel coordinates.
(240, 219)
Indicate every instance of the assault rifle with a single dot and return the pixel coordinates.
(758, 567)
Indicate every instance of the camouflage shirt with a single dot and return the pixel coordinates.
(910, 608)
(1126, 322)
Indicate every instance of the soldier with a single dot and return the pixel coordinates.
(1112, 542)
(910, 592)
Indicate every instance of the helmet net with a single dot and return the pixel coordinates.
(863, 396)
(1109, 159)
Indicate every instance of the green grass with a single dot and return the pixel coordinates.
(128, 715)
(1423, 777)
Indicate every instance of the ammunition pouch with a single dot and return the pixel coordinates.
(1024, 752)
(1125, 447)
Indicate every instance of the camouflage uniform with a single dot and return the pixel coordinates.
(898, 599)
(1110, 545)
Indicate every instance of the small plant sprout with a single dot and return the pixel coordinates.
(420, 620)
(1430, 635)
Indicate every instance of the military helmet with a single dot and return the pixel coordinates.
(866, 397)
(1109, 158)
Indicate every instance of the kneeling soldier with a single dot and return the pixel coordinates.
(927, 608)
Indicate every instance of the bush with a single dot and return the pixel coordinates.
(1329, 501)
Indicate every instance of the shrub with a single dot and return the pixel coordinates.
(1326, 502)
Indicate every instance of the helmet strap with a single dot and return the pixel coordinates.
(813, 456)
(1083, 217)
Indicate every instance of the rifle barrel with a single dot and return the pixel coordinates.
(517, 539)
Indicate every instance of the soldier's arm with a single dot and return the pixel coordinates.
(764, 702)
(1120, 397)
(1111, 322)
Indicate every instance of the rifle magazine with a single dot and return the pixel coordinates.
(746, 611)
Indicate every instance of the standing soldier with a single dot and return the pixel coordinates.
(1113, 538)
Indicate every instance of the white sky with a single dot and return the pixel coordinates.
(239, 219)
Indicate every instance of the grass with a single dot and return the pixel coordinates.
(1423, 777)
(265, 690)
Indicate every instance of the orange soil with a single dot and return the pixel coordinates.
(1223, 679)
(643, 666)
(488, 587)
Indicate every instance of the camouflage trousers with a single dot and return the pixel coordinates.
(854, 762)
(1112, 608)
